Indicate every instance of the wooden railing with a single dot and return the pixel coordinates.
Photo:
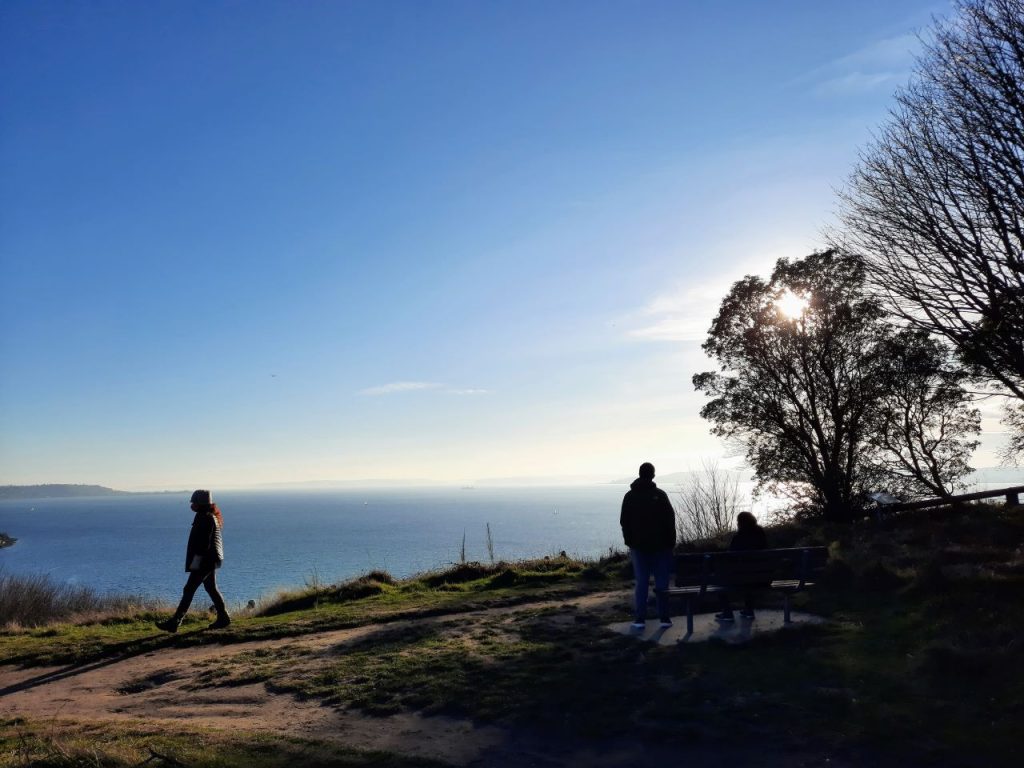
(1012, 496)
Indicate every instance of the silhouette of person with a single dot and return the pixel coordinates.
(203, 556)
(649, 530)
(749, 536)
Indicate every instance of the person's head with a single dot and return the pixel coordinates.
(202, 501)
(647, 471)
(745, 520)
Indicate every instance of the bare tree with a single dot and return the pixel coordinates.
(936, 204)
(707, 502)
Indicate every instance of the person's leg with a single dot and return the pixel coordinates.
(195, 578)
(189, 591)
(210, 584)
(725, 607)
(748, 603)
(662, 573)
(642, 574)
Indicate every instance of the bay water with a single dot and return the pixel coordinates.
(283, 539)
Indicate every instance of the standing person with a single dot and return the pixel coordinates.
(204, 555)
(649, 529)
(749, 536)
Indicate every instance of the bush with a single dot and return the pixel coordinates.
(366, 585)
(459, 574)
(877, 576)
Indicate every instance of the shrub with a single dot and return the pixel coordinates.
(366, 585)
(458, 574)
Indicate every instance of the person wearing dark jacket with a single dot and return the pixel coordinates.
(749, 536)
(649, 530)
(203, 556)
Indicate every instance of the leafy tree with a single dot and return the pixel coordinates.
(797, 391)
(811, 394)
(936, 204)
(925, 427)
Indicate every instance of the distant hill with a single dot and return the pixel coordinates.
(59, 491)
(676, 478)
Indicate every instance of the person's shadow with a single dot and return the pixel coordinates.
(121, 652)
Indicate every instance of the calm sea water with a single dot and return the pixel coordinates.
(136, 544)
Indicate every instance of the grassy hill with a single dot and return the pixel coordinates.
(921, 660)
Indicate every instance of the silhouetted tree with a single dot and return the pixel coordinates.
(936, 204)
(797, 392)
(926, 426)
(819, 398)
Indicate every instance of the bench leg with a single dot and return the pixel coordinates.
(785, 609)
(689, 615)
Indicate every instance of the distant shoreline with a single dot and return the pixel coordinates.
(68, 491)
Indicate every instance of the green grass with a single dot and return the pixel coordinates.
(375, 598)
(109, 746)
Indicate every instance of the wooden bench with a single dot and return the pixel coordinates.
(784, 570)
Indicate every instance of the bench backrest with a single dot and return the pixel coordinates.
(753, 567)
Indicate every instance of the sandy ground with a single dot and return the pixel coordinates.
(95, 693)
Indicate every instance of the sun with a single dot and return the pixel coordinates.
(791, 305)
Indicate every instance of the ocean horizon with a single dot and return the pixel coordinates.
(276, 539)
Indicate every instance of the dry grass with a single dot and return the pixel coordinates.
(38, 600)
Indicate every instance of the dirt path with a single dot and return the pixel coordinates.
(158, 687)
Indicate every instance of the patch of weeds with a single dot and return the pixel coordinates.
(878, 577)
(458, 574)
(149, 682)
(25, 743)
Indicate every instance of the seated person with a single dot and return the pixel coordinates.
(749, 536)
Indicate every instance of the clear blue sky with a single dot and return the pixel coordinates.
(268, 241)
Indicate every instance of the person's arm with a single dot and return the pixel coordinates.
(203, 531)
(669, 513)
(625, 521)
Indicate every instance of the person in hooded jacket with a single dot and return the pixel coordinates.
(649, 530)
(203, 556)
(749, 536)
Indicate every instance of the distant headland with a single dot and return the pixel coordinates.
(63, 491)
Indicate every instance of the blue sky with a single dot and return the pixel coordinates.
(258, 242)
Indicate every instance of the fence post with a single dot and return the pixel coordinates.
(1012, 499)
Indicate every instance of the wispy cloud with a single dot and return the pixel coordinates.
(883, 63)
(399, 386)
(682, 315)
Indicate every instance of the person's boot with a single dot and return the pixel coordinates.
(222, 621)
(169, 625)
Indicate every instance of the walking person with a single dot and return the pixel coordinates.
(649, 530)
(749, 536)
(203, 556)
